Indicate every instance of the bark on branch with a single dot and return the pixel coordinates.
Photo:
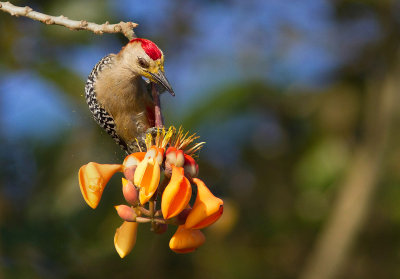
(126, 28)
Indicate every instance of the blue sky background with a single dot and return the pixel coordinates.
(286, 44)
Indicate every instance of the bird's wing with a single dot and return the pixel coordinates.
(102, 117)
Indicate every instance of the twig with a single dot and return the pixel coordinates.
(126, 28)
(143, 210)
(152, 207)
(148, 220)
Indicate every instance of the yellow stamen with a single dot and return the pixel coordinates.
(182, 140)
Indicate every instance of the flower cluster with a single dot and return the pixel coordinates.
(169, 158)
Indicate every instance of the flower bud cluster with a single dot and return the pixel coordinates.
(166, 156)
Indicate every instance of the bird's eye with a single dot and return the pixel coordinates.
(143, 63)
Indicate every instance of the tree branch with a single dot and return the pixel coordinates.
(126, 28)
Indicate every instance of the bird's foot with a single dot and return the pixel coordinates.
(153, 131)
(140, 143)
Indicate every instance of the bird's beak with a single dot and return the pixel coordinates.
(160, 78)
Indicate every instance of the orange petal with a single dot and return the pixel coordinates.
(147, 177)
(93, 178)
(130, 164)
(206, 210)
(186, 241)
(176, 195)
(125, 238)
(133, 159)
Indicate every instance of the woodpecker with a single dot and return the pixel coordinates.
(120, 99)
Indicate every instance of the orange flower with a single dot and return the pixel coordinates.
(176, 195)
(206, 210)
(93, 178)
(147, 177)
(133, 159)
(125, 238)
(186, 241)
(130, 164)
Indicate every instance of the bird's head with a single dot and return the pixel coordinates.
(143, 57)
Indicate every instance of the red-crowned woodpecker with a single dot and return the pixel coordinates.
(118, 96)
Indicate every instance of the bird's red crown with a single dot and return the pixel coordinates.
(149, 47)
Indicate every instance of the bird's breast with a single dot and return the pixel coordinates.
(128, 102)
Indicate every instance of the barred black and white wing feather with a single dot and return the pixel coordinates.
(100, 115)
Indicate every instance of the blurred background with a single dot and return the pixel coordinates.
(297, 101)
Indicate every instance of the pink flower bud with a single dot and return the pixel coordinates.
(126, 213)
(131, 193)
(129, 172)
